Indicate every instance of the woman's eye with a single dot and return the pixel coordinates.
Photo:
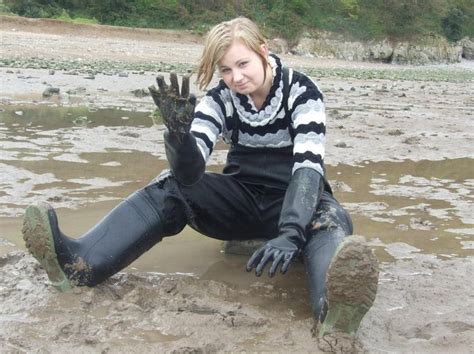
(225, 71)
(244, 63)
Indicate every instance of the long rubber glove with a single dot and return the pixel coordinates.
(176, 109)
(299, 205)
(184, 157)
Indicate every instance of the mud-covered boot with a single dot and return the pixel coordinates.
(351, 283)
(124, 234)
(38, 225)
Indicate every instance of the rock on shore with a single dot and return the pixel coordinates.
(431, 50)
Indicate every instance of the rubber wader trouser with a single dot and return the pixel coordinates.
(218, 206)
(221, 207)
(125, 233)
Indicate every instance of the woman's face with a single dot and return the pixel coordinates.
(242, 69)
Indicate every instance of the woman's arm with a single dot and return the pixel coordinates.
(191, 131)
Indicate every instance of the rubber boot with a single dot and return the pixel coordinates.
(352, 280)
(318, 255)
(124, 234)
(330, 225)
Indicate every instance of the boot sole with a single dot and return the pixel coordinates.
(352, 281)
(39, 241)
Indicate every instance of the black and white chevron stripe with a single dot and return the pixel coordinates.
(217, 113)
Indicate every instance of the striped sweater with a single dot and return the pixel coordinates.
(302, 127)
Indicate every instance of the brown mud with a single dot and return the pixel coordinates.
(405, 144)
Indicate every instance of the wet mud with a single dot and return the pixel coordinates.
(399, 156)
(420, 307)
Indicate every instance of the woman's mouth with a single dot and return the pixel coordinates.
(241, 86)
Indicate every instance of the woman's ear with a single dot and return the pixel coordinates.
(264, 49)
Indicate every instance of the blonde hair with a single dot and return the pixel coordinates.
(220, 38)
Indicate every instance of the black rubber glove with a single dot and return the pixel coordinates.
(184, 157)
(300, 203)
(176, 111)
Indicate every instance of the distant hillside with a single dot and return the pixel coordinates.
(355, 19)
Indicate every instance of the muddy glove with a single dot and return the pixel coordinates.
(176, 110)
(299, 206)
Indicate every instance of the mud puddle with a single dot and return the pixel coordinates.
(84, 161)
(410, 207)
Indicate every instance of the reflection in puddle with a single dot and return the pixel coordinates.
(84, 161)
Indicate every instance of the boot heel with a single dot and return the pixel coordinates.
(352, 280)
(39, 241)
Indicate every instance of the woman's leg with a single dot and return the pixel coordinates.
(342, 270)
(125, 233)
(330, 225)
(217, 206)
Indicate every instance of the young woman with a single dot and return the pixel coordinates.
(273, 185)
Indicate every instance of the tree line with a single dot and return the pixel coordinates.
(360, 19)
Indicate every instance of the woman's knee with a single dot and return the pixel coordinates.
(165, 197)
(330, 215)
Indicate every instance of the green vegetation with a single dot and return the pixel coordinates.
(64, 16)
(361, 19)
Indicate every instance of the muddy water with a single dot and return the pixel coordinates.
(84, 161)
(409, 207)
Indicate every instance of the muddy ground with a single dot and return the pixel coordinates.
(376, 113)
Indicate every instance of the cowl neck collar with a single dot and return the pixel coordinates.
(271, 106)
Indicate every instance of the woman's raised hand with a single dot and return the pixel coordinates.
(176, 108)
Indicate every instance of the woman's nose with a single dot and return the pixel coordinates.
(238, 75)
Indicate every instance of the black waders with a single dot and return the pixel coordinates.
(124, 234)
